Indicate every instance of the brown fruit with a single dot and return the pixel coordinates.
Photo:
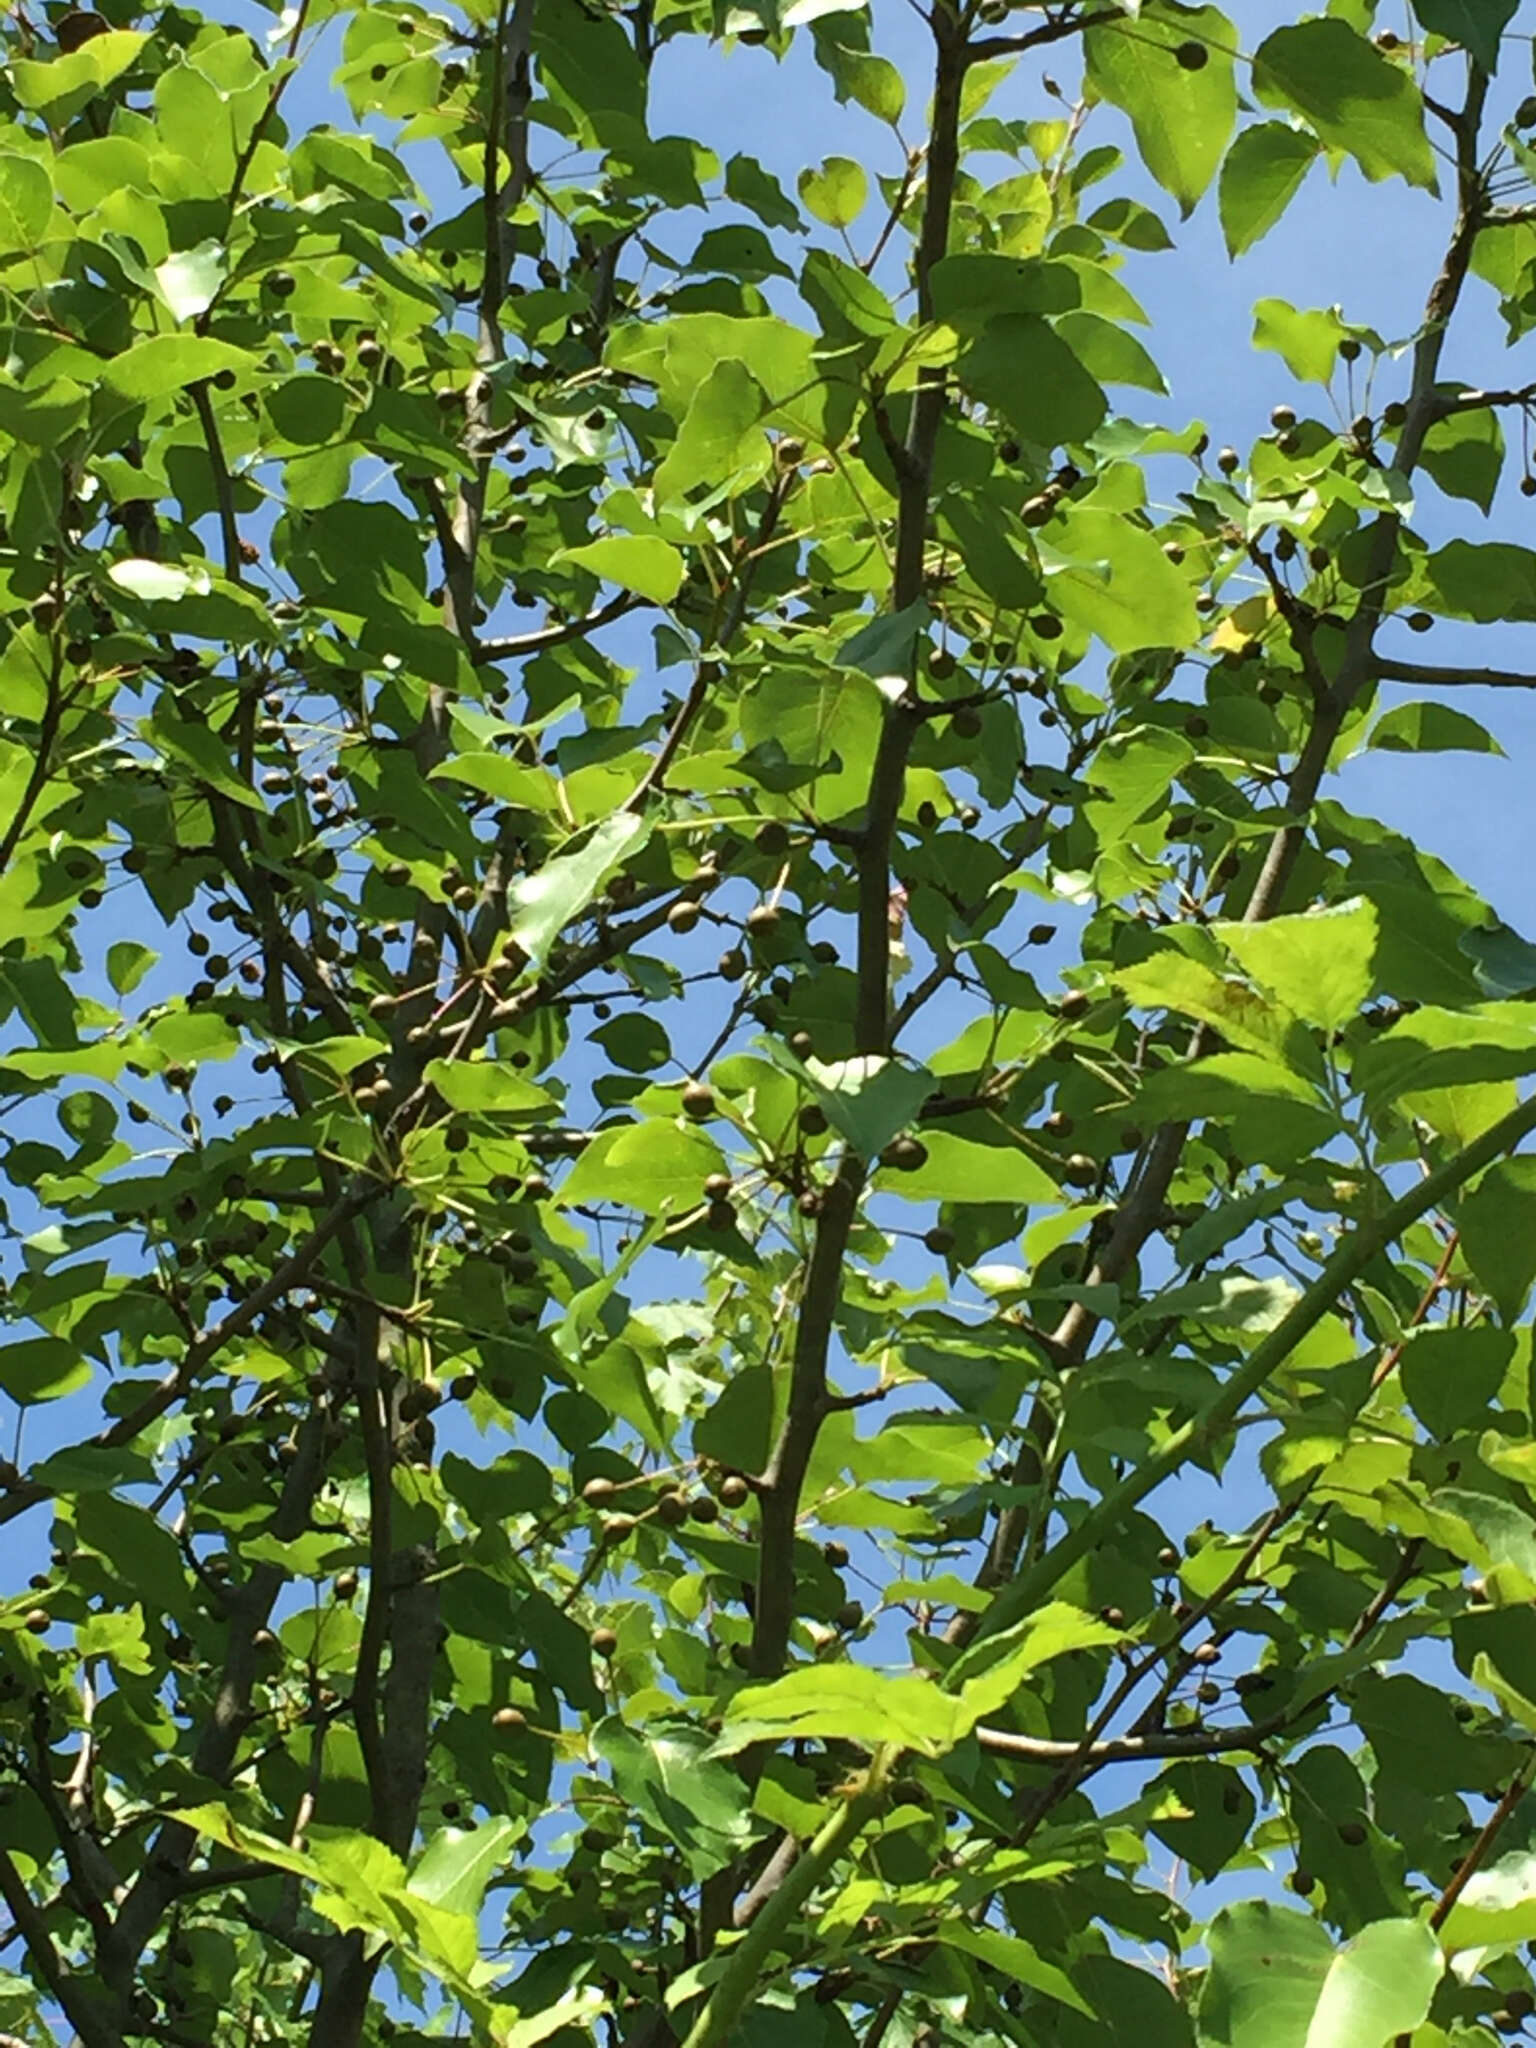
(672, 1509)
(812, 1119)
(850, 1615)
(772, 836)
(1075, 1003)
(509, 1718)
(615, 1528)
(940, 1240)
(1207, 1653)
(604, 1642)
(698, 1100)
(732, 964)
(836, 1555)
(682, 917)
(596, 1491)
(1283, 418)
(1302, 1882)
(763, 918)
(37, 1621)
(1228, 461)
(905, 1154)
(704, 1508)
(717, 1187)
(1079, 1171)
(734, 1491)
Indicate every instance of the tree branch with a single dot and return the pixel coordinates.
(1427, 676)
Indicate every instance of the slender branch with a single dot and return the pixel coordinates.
(207, 1345)
(1055, 31)
(223, 485)
(557, 635)
(1432, 678)
(1350, 1259)
(748, 1964)
(1129, 1749)
(1447, 404)
(32, 1923)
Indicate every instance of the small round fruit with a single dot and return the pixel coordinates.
(615, 1528)
(1208, 1692)
(672, 1509)
(772, 836)
(1075, 1003)
(734, 1491)
(37, 1621)
(509, 1719)
(1207, 1653)
(940, 1240)
(1350, 349)
(596, 1491)
(698, 1100)
(732, 964)
(763, 918)
(682, 917)
(346, 1585)
(1079, 1171)
(717, 1187)
(905, 1154)
(1282, 418)
(282, 284)
(812, 1119)
(836, 1555)
(850, 1615)
(1228, 461)
(1192, 56)
(1352, 1833)
(1302, 1882)
(604, 1642)
(704, 1508)
(1525, 114)
(966, 723)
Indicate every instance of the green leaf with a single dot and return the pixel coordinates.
(1503, 963)
(42, 1369)
(68, 82)
(868, 1099)
(1483, 581)
(26, 202)
(1498, 1232)
(540, 905)
(667, 1774)
(1108, 353)
(1172, 981)
(190, 280)
(1320, 963)
(959, 1170)
(457, 1863)
(1276, 1981)
(1016, 1959)
(1464, 453)
(721, 440)
(1430, 729)
(1264, 170)
(1353, 98)
(1111, 577)
(128, 961)
(165, 364)
(652, 568)
(1022, 368)
(836, 191)
(654, 1168)
(1476, 24)
(1183, 117)
(1497, 1905)
(1308, 342)
(845, 1702)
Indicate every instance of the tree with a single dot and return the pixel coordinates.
(617, 1375)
